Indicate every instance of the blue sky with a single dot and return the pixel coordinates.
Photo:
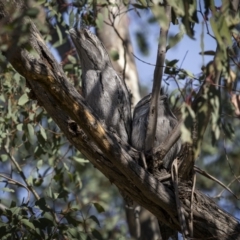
(193, 60)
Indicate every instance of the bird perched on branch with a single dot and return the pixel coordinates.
(166, 121)
(105, 92)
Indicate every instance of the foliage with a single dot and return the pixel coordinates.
(70, 192)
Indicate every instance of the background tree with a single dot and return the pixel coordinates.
(52, 186)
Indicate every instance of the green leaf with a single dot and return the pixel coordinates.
(114, 55)
(32, 12)
(99, 20)
(74, 232)
(68, 66)
(71, 19)
(43, 133)
(188, 73)
(172, 63)
(72, 59)
(159, 14)
(47, 220)
(80, 159)
(59, 34)
(20, 127)
(94, 218)
(7, 190)
(30, 180)
(39, 163)
(63, 194)
(28, 224)
(4, 157)
(42, 204)
(174, 40)
(188, 117)
(65, 166)
(97, 235)
(23, 99)
(142, 42)
(30, 133)
(99, 208)
(37, 182)
(136, 5)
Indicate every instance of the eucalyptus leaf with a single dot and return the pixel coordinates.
(23, 99)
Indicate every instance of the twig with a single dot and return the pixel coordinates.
(182, 220)
(229, 164)
(158, 74)
(197, 169)
(183, 59)
(191, 206)
(220, 194)
(21, 173)
(200, 11)
(31, 189)
(112, 21)
(164, 66)
(160, 151)
(12, 181)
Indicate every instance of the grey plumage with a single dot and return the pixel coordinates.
(166, 121)
(105, 92)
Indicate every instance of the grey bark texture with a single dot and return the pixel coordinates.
(117, 161)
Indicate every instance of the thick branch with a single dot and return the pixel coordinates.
(105, 151)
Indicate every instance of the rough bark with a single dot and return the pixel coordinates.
(117, 160)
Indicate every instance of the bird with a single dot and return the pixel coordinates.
(166, 121)
(105, 92)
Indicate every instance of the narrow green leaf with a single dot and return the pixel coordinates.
(20, 127)
(97, 235)
(43, 133)
(80, 159)
(39, 163)
(94, 218)
(71, 19)
(28, 224)
(4, 157)
(32, 12)
(30, 180)
(72, 59)
(30, 133)
(7, 190)
(65, 166)
(99, 21)
(59, 34)
(42, 204)
(99, 207)
(174, 40)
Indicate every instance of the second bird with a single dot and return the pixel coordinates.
(166, 121)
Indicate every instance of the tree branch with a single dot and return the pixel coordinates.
(158, 73)
(117, 161)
